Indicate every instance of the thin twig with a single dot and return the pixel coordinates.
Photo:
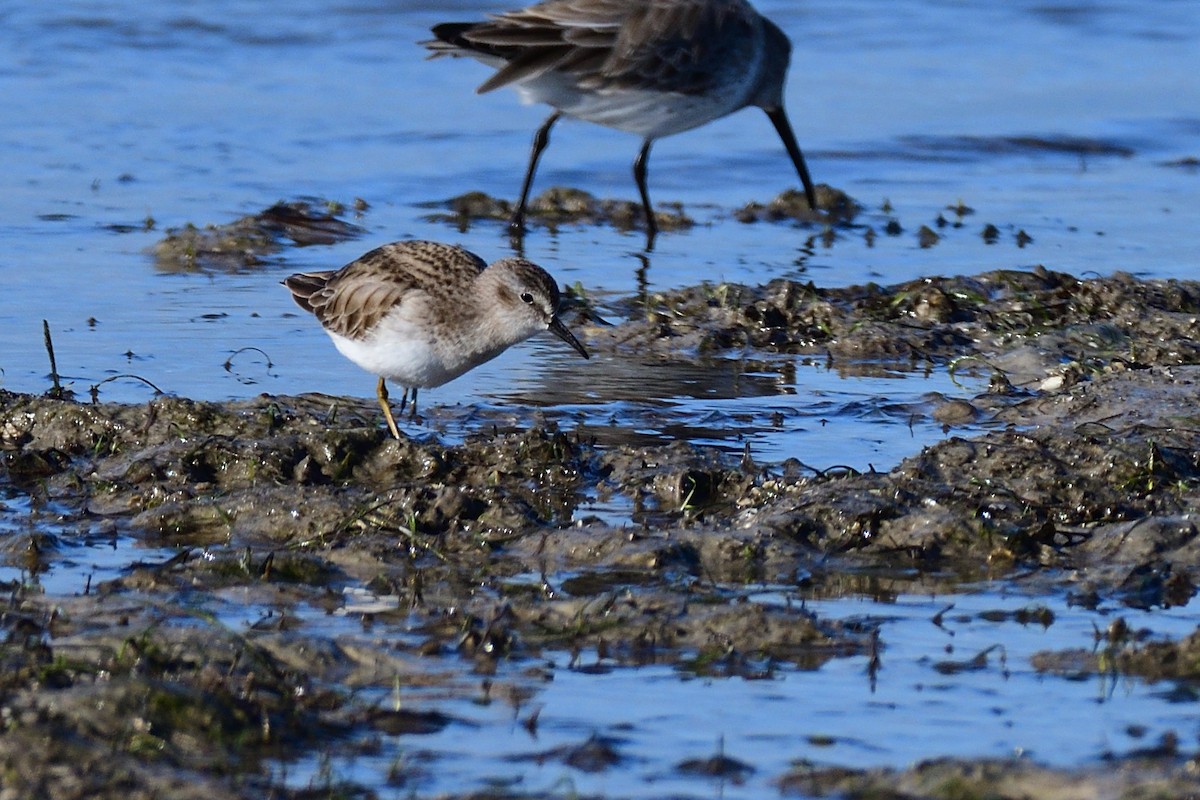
(57, 391)
(229, 361)
(95, 388)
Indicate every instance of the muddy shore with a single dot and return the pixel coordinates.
(473, 555)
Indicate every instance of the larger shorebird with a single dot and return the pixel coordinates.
(650, 67)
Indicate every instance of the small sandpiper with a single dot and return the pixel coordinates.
(423, 313)
(649, 67)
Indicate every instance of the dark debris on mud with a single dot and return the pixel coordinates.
(477, 551)
(1087, 324)
(561, 205)
(557, 206)
(249, 241)
(834, 206)
(992, 779)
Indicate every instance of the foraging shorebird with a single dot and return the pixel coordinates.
(649, 67)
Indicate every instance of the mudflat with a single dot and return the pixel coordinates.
(460, 558)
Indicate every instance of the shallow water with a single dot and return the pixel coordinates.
(69, 560)
(1066, 122)
(963, 687)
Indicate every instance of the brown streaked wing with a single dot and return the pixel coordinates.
(504, 37)
(303, 285)
(568, 35)
(666, 45)
(597, 14)
(358, 295)
(527, 63)
(679, 46)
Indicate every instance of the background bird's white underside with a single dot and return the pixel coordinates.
(649, 113)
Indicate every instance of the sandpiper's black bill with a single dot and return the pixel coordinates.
(780, 121)
(560, 330)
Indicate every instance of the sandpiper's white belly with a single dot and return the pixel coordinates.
(412, 353)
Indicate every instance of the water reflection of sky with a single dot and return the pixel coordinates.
(964, 687)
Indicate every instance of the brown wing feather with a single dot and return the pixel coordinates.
(665, 44)
(352, 300)
(303, 285)
(678, 46)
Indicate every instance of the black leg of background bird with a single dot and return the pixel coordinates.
(540, 140)
(643, 279)
(783, 127)
(403, 401)
(639, 175)
(412, 414)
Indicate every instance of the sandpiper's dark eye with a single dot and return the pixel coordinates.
(527, 298)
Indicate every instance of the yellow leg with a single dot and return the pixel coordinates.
(382, 392)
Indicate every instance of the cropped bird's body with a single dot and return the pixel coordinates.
(649, 67)
(423, 313)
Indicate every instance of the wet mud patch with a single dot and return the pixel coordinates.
(252, 240)
(1124, 651)
(446, 562)
(562, 205)
(558, 206)
(123, 696)
(838, 216)
(998, 780)
(1027, 326)
(834, 206)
